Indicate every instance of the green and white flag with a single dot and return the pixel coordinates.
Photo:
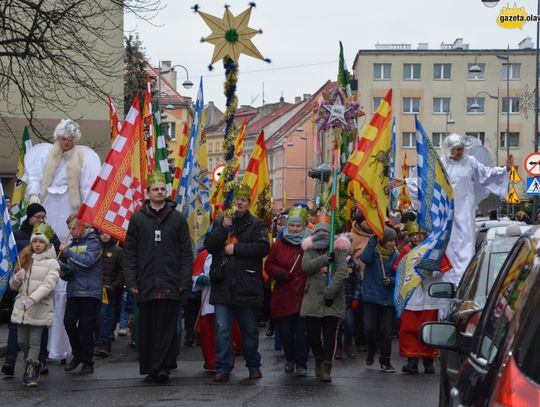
(343, 74)
(162, 154)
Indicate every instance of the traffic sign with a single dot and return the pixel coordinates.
(217, 172)
(513, 197)
(532, 164)
(533, 186)
(514, 176)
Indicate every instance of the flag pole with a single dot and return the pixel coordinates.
(337, 133)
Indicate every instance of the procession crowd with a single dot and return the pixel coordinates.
(325, 295)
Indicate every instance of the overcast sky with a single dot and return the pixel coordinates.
(301, 37)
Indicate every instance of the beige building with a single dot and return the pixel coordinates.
(454, 89)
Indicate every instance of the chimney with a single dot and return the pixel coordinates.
(306, 96)
(297, 99)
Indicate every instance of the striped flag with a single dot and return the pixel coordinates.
(257, 177)
(435, 215)
(162, 153)
(180, 159)
(114, 122)
(148, 125)
(19, 204)
(118, 190)
(8, 248)
(369, 165)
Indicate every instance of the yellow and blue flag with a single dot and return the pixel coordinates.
(435, 215)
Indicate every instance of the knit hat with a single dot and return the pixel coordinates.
(412, 227)
(388, 234)
(321, 227)
(298, 214)
(43, 232)
(33, 209)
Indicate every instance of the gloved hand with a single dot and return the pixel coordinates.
(34, 199)
(331, 257)
(386, 281)
(20, 275)
(328, 302)
(202, 280)
(28, 303)
(355, 304)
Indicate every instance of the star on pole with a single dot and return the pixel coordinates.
(231, 35)
(336, 112)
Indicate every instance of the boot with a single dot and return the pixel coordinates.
(33, 382)
(318, 366)
(326, 371)
(29, 374)
(104, 349)
(411, 367)
(86, 369)
(8, 368)
(428, 366)
(73, 364)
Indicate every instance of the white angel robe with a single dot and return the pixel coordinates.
(58, 208)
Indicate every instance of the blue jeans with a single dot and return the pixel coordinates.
(348, 326)
(292, 331)
(247, 319)
(127, 308)
(106, 321)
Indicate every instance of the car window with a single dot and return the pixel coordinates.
(469, 282)
(496, 261)
(528, 338)
(504, 300)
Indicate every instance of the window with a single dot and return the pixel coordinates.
(477, 76)
(382, 72)
(411, 105)
(437, 139)
(411, 72)
(169, 130)
(376, 102)
(409, 139)
(513, 139)
(513, 105)
(511, 72)
(442, 72)
(441, 105)
(480, 135)
(478, 102)
(210, 163)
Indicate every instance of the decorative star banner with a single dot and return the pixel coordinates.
(337, 113)
(231, 35)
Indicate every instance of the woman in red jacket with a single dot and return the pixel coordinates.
(284, 265)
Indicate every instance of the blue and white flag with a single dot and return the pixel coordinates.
(435, 216)
(8, 248)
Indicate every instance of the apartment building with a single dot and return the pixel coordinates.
(454, 89)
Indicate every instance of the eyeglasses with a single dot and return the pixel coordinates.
(40, 217)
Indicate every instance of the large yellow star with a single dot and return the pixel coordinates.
(231, 35)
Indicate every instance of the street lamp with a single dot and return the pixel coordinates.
(187, 83)
(475, 107)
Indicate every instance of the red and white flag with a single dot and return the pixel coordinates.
(118, 190)
(115, 124)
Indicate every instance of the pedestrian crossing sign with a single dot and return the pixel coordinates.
(514, 176)
(513, 197)
(533, 186)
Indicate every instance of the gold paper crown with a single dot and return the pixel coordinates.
(43, 229)
(412, 227)
(299, 212)
(155, 177)
(242, 191)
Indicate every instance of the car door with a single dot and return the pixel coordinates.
(475, 379)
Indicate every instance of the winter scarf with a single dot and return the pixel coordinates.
(385, 253)
(295, 239)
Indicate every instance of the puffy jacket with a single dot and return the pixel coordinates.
(288, 291)
(158, 269)
(113, 277)
(39, 285)
(317, 289)
(82, 268)
(237, 279)
(373, 289)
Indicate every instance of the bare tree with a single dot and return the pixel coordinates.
(54, 53)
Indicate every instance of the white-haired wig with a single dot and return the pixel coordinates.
(67, 128)
(451, 142)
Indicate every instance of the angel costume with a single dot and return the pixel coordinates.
(60, 180)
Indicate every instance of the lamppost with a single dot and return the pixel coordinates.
(449, 121)
(475, 107)
(298, 132)
(186, 84)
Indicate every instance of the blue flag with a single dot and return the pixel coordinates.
(8, 248)
(435, 216)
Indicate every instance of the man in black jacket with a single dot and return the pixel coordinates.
(157, 271)
(238, 246)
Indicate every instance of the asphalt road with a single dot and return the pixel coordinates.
(116, 382)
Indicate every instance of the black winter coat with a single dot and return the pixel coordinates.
(158, 269)
(237, 279)
(113, 276)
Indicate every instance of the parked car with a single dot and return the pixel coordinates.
(483, 226)
(471, 294)
(502, 357)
